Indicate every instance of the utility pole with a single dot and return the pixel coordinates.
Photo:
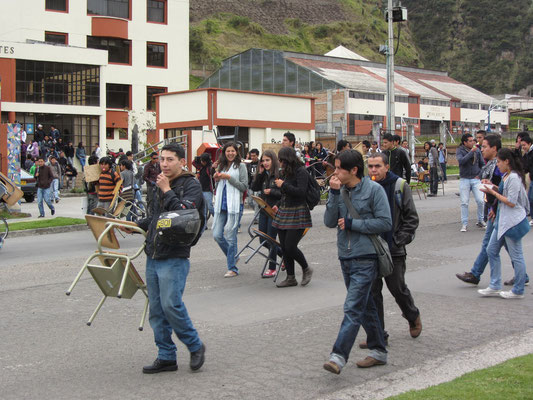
(391, 123)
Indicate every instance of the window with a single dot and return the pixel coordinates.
(150, 99)
(123, 134)
(118, 50)
(56, 37)
(156, 55)
(485, 106)
(118, 96)
(57, 83)
(431, 102)
(109, 8)
(401, 99)
(157, 10)
(56, 5)
(110, 133)
(471, 106)
(456, 104)
(366, 96)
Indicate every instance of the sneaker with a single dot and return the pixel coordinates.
(468, 277)
(160, 366)
(332, 367)
(40, 216)
(369, 362)
(481, 224)
(531, 223)
(511, 295)
(489, 292)
(463, 228)
(270, 273)
(510, 282)
(53, 211)
(230, 274)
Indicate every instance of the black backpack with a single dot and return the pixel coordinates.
(312, 197)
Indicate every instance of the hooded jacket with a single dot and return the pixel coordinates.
(170, 201)
(470, 162)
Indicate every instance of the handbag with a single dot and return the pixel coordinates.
(518, 231)
(385, 265)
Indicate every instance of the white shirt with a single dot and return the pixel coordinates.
(98, 152)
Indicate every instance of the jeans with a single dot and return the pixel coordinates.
(482, 258)
(82, 162)
(443, 167)
(530, 197)
(517, 257)
(433, 180)
(465, 186)
(399, 290)
(165, 280)
(227, 242)
(360, 310)
(265, 225)
(44, 194)
(208, 199)
(92, 202)
(55, 189)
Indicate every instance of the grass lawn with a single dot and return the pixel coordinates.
(511, 380)
(452, 170)
(45, 223)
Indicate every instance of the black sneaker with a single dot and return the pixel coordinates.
(160, 366)
(197, 358)
(53, 211)
(468, 277)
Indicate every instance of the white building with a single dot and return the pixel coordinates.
(92, 67)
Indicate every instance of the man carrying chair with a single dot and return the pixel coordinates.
(167, 264)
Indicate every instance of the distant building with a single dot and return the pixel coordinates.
(92, 67)
(350, 91)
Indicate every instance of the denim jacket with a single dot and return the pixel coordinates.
(370, 201)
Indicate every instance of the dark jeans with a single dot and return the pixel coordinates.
(265, 225)
(289, 240)
(360, 309)
(399, 290)
(443, 167)
(433, 180)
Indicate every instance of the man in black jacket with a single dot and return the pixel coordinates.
(397, 159)
(404, 225)
(167, 266)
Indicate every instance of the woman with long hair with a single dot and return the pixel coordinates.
(319, 155)
(265, 183)
(231, 182)
(293, 215)
(510, 226)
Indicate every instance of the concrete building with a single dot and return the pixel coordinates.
(350, 91)
(262, 118)
(92, 67)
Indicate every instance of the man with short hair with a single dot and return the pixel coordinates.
(44, 177)
(167, 265)
(404, 224)
(39, 134)
(374, 147)
(470, 163)
(97, 151)
(343, 145)
(151, 172)
(366, 147)
(433, 163)
(252, 168)
(527, 150)
(398, 161)
(480, 136)
(289, 140)
(357, 256)
(57, 174)
(107, 183)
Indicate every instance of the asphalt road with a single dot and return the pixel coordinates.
(262, 342)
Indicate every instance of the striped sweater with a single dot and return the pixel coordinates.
(106, 184)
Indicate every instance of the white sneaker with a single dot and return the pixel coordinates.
(531, 223)
(489, 292)
(511, 295)
(481, 224)
(463, 228)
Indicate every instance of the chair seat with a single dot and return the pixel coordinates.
(266, 237)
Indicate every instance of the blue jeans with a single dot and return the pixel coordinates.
(530, 197)
(443, 167)
(514, 249)
(265, 225)
(208, 199)
(227, 242)
(55, 188)
(82, 162)
(165, 280)
(44, 194)
(483, 259)
(360, 310)
(465, 186)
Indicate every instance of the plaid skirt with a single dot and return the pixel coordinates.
(298, 217)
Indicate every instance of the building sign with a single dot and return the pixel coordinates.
(9, 50)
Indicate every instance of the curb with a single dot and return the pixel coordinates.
(45, 231)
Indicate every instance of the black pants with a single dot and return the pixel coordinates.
(289, 240)
(433, 180)
(399, 290)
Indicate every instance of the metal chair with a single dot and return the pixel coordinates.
(113, 272)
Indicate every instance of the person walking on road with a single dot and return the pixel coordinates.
(357, 256)
(433, 163)
(404, 224)
(292, 216)
(167, 265)
(232, 182)
(398, 160)
(470, 163)
(44, 177)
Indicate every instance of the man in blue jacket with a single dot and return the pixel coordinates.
(357, 256)
(470, 163)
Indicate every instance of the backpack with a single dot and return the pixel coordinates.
(398, 191)
(312, 197)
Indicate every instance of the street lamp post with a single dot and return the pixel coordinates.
(390, 71)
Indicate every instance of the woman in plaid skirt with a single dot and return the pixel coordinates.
(293, 215)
